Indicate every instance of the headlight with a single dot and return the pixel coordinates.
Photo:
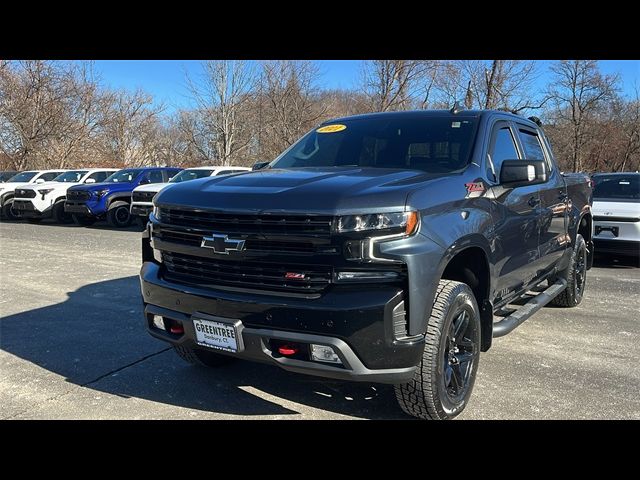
(156, 212)
(102, 193)
(44, 191)
(407, 221)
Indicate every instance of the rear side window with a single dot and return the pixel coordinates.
(49, 176)
(503, 148)
(531, 144)
(98, 176)
(155, 176)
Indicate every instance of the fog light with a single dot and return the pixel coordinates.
(158, 322)
(324, 353)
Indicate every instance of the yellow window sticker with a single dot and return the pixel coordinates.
(337, 127)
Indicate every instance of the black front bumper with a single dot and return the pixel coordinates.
(141, 210)
(25, 208)
(617, 247)
(355, 320)
(78, 208)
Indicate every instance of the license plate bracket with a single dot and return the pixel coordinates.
(217, 333)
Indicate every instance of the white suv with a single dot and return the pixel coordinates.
(616, 213)
(27, 178)
(35, 202)
(142, 196)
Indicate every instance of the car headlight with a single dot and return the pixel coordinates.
(44, 191)
(102, 193)
(406, 222)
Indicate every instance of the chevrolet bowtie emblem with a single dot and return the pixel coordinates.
(222, 244)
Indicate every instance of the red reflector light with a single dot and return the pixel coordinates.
(287, 350)
(176, 329)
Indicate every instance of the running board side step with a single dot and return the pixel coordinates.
(510, 323)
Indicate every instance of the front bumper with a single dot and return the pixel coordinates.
(357, 321)
(141, 209)
(618, 247)
(79, 208)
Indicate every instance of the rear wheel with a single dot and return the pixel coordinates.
(119, 216)
(576, 276)
(7, 211)
(200, 357)
(443, 381)
(59, 215)
(83, 220)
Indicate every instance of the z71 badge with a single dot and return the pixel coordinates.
(474, 189)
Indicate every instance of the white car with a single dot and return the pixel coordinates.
(30, 177)
(616, 213)
(142, 196)
(35, 202)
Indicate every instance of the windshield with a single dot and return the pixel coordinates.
(434, 144)
(187, 175)
(22, 177)
(123, 176)
(72, 176)
(617, 187)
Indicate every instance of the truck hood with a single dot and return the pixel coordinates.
(11, 186)
(616, 209)
(55, 185)
(333, 190)
(152, 187)
(111, 187)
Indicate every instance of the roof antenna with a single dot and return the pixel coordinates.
(456, 108)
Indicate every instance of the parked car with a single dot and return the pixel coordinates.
(29, 177)
(47, 199)
(377, 248)
(6, 175)
(616, 213)
(142, 196)
(111, 199)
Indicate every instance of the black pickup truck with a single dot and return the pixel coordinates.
(388, 248)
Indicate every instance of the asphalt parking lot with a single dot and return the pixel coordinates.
(72, 346)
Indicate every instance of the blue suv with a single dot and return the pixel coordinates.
(111, 199)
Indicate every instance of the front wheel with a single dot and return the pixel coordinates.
(59, 215)
(119, 217)
(7, 211)
(443, 381)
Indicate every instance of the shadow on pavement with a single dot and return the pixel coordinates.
(603, 260)
(98, 330)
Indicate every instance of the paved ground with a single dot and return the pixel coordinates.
(72, 346)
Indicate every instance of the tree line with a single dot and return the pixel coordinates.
(59, 114)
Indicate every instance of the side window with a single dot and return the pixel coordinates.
(97, 176)
(531, 144)
(503, 148)
(169, 174)
(49, 176)
(155, 176)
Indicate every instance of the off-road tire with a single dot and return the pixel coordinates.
(576, 276)
(116, 218)
(7, 213)
(59, 215)
(426, 396)
(201, 357)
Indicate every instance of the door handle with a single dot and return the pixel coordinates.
(533, 201)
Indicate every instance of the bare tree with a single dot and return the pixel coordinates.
(390, 84)
(289, 107)
(130, 129)
(222, 96)
(577, 90)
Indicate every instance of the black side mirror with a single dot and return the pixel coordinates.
(518, 173)
(259, 165)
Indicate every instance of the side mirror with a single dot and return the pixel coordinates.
(259, 165)
(40, 180)
(518, 173)
(90, 180)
